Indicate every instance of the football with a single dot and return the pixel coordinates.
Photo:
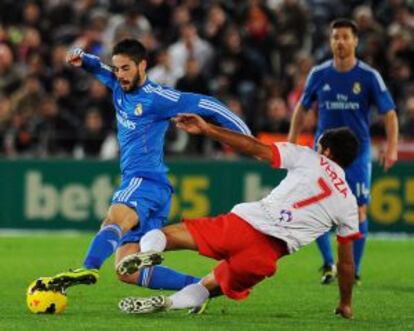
(40, 300)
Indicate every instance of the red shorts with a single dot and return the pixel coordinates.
(247, 255)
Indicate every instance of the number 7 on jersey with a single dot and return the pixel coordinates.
(325, 192)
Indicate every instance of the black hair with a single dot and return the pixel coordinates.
(345, 23)
(342, 143)
(131, 48)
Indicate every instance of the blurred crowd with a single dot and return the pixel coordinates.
(254, 55)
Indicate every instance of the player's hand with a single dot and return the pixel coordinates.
(388, 158)
(344, 310)
(74, 57)
(191, 123)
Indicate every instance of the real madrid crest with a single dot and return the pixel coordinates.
(356, 88)
(138, 110)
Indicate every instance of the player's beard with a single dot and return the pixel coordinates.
(134, 83)
(343, 52)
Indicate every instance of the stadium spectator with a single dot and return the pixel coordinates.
(190, 45)
(62, 92)
(28, 97)
(100, 99)
(5, 117)
(215, 25)
(193, 79)
(19, 138)
(291, 30)
(258, 22)
(237, 68)
(54, 130)
(407, 128)
(133, 24)
(276, 116)
(10, 74)
(163, 72)
(92, 135)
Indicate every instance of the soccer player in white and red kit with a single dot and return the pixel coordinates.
(250, 239)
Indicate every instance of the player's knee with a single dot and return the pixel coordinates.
(124, 224)
(129, 279)
(123, 216)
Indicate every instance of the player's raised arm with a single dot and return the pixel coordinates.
(244, 144)
(91, 63)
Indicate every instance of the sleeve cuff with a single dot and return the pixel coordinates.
(351, 237)
(276, 161)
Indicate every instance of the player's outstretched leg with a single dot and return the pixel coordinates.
(328, 269)
(138, 261)
(194, 295)
(101, 247)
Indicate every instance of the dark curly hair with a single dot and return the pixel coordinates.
(342, 143)
(131, 48)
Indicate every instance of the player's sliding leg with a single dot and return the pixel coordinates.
(328, 267)
(154, 276)
(152, 244)
(120, 219)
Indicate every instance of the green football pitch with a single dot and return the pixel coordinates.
(292, 300)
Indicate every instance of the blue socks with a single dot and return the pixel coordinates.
(103, 245)
(159, 277)
(359, 245)
(324, 245)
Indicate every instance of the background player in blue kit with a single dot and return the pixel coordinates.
(142, 201)
(345, 88)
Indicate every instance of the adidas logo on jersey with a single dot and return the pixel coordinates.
(326, 88)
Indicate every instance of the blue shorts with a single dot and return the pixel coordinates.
(358, 176)
(150, 199)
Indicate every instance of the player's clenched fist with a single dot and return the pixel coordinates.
(74, 57)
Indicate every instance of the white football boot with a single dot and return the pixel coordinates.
(134, 305)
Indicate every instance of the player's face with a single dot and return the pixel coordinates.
(343, 43)
(128, 73)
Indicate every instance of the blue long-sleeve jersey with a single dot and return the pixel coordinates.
(143, 118)
(345, 99)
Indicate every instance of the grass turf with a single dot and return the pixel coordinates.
(293, 300)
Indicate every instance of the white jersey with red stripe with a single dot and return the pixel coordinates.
(312, 199)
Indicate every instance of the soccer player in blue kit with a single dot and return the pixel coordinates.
(345, 88)
(142, 201)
